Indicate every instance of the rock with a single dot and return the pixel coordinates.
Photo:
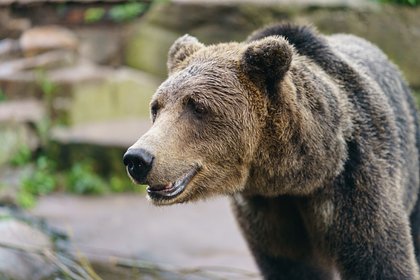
(112, 133)
(120, 93)
(44, 38)
(45, 61)
(114, 93)
(24, 111)
(10, 184)
(148, 42)
(101, 45)
(10, 26)
(17, 121)
(147, 48)
(105, 141)
(22, 263)
(13, 137)
(394, 28)
(20, 85)
(9, 49)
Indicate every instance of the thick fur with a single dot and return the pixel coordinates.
(314, 137)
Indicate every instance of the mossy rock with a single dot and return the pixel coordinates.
(395, 29)
(148, 47)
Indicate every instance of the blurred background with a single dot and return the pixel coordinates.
(76, 78)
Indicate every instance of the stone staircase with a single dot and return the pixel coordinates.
(89, 105)
(80, 79)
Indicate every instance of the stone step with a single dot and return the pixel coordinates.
(82, 92)
(115, 133)
(21, 111)
(102, 143)
(17, 126)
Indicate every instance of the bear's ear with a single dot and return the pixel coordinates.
(266, 61)
(182, 48)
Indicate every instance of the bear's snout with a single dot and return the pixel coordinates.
(139, 163)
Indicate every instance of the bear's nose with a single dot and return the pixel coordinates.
(138, 162)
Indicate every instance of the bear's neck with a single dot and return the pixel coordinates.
(304, 136)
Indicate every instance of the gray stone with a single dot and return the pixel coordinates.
(108, 94)
(115, 133)
(9, 49)
(101, 45)
(105, 142)
(147, 48)
(43, 38)
(10, 26)
(86, 92)
(45, 61)
(394, 28)
(23, 263)
(14, 136)
(23, 111)
(10, 183)
(16, 127)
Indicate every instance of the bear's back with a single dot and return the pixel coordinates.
(373, 64)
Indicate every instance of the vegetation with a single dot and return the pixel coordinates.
(94, 14)
(42, 177)
(41, 174)
(117, 13)
(2, 95)
(127, 11)
(402, 2)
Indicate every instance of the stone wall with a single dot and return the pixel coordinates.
(81, 73)
(395, 29)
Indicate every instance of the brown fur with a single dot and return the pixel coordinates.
(315, 139)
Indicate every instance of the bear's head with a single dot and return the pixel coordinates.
(208, 118)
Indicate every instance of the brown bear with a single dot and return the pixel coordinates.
(315, 138)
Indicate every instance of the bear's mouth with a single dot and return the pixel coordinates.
(173, 189)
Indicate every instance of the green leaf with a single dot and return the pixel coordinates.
(22, 156)
(128, 11)
(94, 14)
(26, 200)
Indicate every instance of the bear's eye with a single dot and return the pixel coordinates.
(154, 108)
(197, 108)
